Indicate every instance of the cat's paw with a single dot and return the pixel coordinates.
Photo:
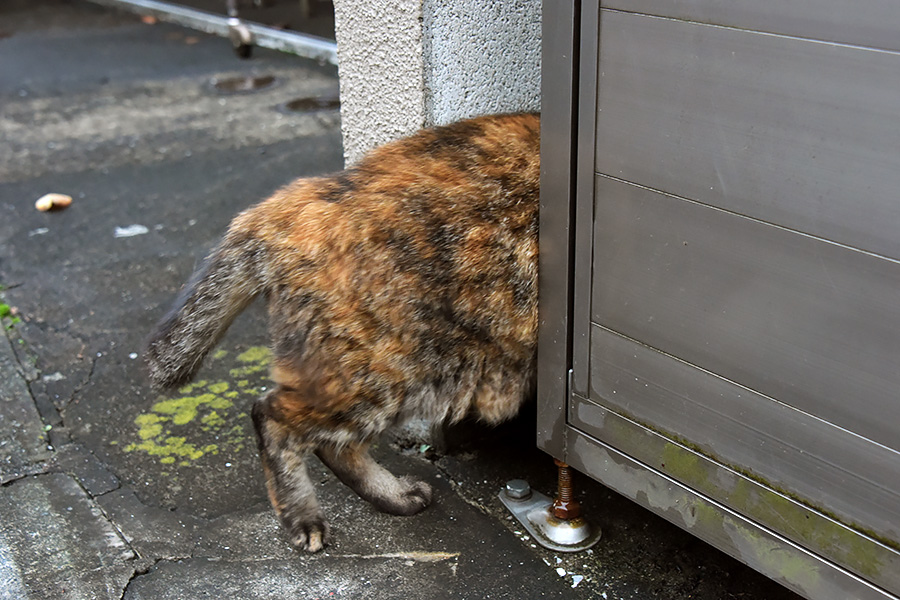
(310, 534)
(414, 499)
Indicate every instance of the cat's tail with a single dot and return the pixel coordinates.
(218, 291)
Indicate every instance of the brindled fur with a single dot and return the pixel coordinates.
(405, 286)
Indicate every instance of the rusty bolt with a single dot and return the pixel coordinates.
(565, 506)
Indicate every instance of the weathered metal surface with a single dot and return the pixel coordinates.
(733, 237)
(801, 134)
(559, 60)
(533, 511)
(746, 492)
(811, 324)
(864, 22)
(770, 553)
(584, 184)
(790, 449)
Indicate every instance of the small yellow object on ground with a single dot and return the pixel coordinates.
(52, 201)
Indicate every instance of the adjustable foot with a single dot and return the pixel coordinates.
(555, 524)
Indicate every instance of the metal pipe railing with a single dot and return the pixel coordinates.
(301, 44)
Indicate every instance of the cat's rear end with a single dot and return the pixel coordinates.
(403, 287)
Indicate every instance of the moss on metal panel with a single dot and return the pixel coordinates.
(752, 495)
(778, 509)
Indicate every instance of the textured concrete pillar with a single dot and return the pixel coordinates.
(405, 64)
(381, 65)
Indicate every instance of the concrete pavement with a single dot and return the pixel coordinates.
(111, 491)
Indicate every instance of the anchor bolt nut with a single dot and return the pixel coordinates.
(518, 489)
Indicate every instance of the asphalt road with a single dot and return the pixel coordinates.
(111, 491)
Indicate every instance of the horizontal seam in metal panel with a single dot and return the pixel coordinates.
(749, 218)
(729, 467)
(743, 387)
(672, 435)
(769, 33)
(730, 512)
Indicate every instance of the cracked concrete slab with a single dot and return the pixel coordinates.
(151, 531)
(91, 474)
(24, 442)
(376, 578)
(450, 551)
(64, 369)
(55, 542)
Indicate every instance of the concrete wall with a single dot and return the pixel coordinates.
(407, 64)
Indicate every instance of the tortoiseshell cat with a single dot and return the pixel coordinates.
(405, 286)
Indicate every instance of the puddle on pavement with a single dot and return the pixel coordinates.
(312, 104)
(243, 85)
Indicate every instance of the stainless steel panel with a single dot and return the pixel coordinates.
(779, 558)
(802, 134)
(559, 59)
(872, 23)
(785, 342)
(783, 514)
(824, 465)
(810, 323)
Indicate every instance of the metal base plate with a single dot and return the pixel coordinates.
(534, 514)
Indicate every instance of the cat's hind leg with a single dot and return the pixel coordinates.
(357, 469)
(288, 484)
